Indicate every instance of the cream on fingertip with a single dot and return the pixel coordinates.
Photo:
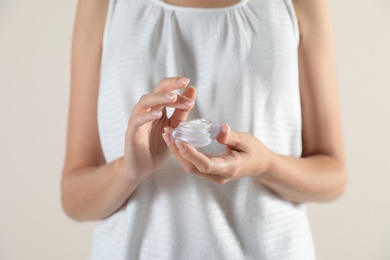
(156, 114)
(184, 80)
(188, 102)
(169, 96)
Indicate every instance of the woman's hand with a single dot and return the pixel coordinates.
(144, 147)
(245, 156)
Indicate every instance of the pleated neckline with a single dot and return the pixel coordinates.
(178, 8)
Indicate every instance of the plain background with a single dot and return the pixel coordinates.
(35, 41)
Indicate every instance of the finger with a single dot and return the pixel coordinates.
(233, 139)
(218, 179)
(205, 159)
(138, 120)
(172, 83)
(204, 164)
(182, 103)
(156, 101)
(187, 166)
(180, 115)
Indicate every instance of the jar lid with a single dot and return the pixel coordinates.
(197, 132)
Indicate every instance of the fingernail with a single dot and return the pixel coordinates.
(155, 113)
(188, 101)
(169, 96)
(180, 146)
(166, 138)
(229, 129)
(184, 80)
(166, 130)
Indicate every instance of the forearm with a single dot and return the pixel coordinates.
(92, 193)
(318, 178)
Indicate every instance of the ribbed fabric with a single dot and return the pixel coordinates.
(243, 60)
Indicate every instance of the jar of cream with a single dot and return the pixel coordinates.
(197, 132)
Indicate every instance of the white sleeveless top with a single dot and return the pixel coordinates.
(243, 60)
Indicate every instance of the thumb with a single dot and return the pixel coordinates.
(180, 115)
(233, 139)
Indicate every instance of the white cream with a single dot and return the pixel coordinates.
(197, 132)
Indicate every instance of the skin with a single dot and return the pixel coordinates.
(85, 174)
(319, 175)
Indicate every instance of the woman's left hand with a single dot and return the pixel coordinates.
(245, 156)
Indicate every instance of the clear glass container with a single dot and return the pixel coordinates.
(197, 132)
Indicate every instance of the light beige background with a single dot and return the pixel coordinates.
(34, 90)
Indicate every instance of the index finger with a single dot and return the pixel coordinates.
(211, 165)
(180, 115)
(172, 83)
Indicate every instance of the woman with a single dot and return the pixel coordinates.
(265, 67)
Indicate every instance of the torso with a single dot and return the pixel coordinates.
(243, 61)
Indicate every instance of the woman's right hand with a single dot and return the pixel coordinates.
(145, 149)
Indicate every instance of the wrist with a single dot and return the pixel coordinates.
(266, 166)
(270, 162)
(124, 173)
